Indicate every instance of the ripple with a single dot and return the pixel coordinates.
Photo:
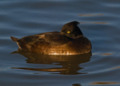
(105, 83)
(94, 23)
(90, 15)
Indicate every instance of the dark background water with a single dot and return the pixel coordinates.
(100, 22)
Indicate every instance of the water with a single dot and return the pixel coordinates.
(99, 22)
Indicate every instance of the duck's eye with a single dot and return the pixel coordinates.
(68, 32)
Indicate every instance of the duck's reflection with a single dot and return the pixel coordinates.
(70, 65)
(76, 85)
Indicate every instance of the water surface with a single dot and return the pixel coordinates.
(99, 22)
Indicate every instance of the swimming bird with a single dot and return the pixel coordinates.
(69, 41)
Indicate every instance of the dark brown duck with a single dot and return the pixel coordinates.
(70, 41)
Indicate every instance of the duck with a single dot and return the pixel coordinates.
(69, 41)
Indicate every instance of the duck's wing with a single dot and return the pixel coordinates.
(56, 38)
(43, 39)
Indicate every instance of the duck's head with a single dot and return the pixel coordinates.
(71, 30)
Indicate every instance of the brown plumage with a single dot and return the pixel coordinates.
(70, 41)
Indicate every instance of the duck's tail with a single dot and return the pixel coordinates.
(14, 39)
(21, 44)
